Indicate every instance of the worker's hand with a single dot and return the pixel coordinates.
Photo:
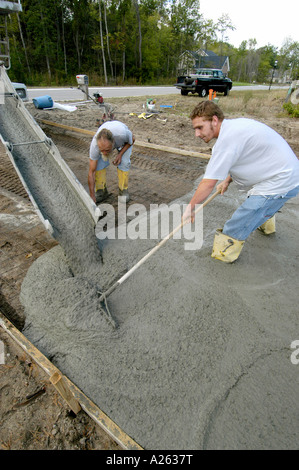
(117, 160)
(222, 187)
(188, 215)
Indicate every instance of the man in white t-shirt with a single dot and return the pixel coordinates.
(258, 160)
(110, 135)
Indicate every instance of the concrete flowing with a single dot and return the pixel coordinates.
(63, 205)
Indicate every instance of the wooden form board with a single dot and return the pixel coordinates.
(75, 398)
(187, 153)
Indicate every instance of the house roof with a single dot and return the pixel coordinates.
(211, 53)
(215, 62)
(207, 59)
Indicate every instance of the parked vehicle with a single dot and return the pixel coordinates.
(21, 89)
(202, 81)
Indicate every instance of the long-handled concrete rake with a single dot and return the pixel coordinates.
(104, 295)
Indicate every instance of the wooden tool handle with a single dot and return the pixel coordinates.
(162, 242)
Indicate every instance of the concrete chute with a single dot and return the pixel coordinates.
(63, 205)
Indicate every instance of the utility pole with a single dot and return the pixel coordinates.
(273, 70)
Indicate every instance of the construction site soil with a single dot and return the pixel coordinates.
(32, 414)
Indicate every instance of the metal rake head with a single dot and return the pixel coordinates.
(104, 309)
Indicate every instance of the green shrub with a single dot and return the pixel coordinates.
(291, 109)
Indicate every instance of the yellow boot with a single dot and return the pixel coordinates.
(226, 248)
(268, 227)
(123, 182)
(100, 186)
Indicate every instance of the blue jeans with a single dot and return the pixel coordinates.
(254, 211)
(124, 165)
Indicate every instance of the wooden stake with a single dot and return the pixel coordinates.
(60, 384)
(125, 441)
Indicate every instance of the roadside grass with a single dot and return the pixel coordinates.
(242, 84)
(260, 103)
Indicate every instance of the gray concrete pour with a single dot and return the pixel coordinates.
(51, 190)
(201, 358)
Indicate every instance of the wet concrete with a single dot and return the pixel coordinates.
(201, 356)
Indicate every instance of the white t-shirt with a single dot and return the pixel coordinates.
(255, 156)
(121, 134)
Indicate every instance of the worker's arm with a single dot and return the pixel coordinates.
(91, 178)
(204, 189)
(117, 160)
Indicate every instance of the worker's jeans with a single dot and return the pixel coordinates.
(254, 211)
(124, 165)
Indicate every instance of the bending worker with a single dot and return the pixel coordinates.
(258, 160)
(110, 135)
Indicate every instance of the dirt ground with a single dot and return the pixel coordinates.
(32, 414)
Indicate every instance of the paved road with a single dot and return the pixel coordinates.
(73, 94)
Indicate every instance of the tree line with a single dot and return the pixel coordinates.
(129, 41)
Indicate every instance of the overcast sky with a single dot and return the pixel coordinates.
(267, 21)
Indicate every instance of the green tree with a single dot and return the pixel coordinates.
(185, 21)
(223, 25)
(134, 40)
(289, 59)
(267, 57)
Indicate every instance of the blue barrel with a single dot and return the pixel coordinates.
(43, 102)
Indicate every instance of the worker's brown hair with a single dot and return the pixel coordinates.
(105, 134)
(206, 110)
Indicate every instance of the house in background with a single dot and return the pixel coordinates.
(190, 61)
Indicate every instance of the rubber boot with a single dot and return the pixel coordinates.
(268, 227)
(100, 186)
(123, 181)
(226, 248)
